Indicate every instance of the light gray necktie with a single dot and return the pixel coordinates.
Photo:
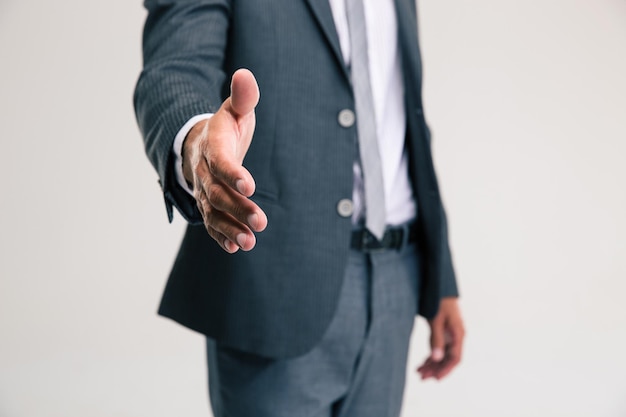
(366, 122)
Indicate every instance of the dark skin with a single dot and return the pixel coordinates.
(213, 154)
(446, 341)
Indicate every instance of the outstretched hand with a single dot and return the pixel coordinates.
(446, 341)
(213, 154)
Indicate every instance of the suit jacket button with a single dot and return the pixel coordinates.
(345, 207)
(346, 118)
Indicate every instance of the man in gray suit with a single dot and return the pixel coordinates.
(316, 229)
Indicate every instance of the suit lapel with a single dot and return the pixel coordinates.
(324, 16)
(407, 34)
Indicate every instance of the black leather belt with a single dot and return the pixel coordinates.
(394, 238)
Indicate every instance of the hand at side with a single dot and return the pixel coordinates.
(213, 154)
(446, 341)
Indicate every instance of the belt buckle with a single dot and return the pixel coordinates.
(365, 239)
(370, 243)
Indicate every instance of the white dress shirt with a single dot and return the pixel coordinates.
(388, 93)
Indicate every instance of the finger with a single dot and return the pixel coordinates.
(229, 233)
(437, 343)
(231, 130)
(455, 344)
(427, 363)
(433, 369)
(223, 241)
(244, 92)
(235, 231)
(429, 368)
(205, 211)
(446, 366)
(219, 162)
(440, 369)
(437, 370)
(437, 340)
(426, 370)
(454, 348)
(222, 198)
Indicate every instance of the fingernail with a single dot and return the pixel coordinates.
(437, 354)
(230, 246)
(240, 184)
(241, 239)
(253, 220)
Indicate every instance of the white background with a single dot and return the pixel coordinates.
(527, 102)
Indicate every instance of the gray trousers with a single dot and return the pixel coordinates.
(357, 369)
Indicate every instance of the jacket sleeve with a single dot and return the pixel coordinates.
(184, 45)
(448, 283)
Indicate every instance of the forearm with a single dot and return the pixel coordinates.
(183, 76)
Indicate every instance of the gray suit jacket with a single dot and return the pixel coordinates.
(278, 299)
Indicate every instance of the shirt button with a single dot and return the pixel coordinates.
(346, 118)
(345, 207)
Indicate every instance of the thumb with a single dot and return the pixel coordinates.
(437, 340)
(244, 92)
